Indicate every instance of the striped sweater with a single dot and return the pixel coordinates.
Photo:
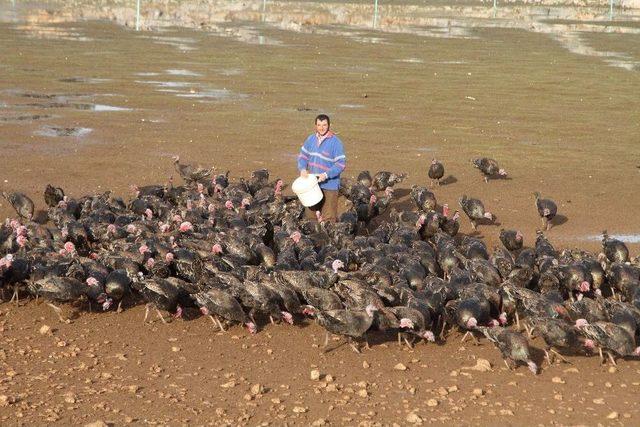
(323, 155)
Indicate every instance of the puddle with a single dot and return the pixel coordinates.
(181, 43)
(450, 62)
(411, 60)
(89, 80)
(627, 65)
(249, 35)
(103, 107)
(182, 47)
(182, 73)
(78, 106)
(32, 117)
(628, 238)
(356, 69)
(351, 105)
(370, 40)
(184, 40)
(50, 32)
(194, 91)
(529, 143)
(426, 149)
(149, 74)
(167, 84)
(232, 72)
(54, 96)
(215, 94)
(54, 132)
(446, 32)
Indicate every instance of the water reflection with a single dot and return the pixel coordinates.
(194, 90)
(25, 118)
(243, 33)
(184, 44)
(54, 131)
(242, 22)
(182, 73)
(628, 238)
(77, 106)
(88, 80)
(35, 30)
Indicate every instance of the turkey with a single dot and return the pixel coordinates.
(474, 210)
(161, 294)
(544, 248)
(511, 239)
(489, 168)
(468, 313)
(58, 289)
(436, 171)
(217, 303)
(609, 337)
(259, 179)
(413, 321)
(53, 196)
(364, 179)
(384, 179)
(614, 249)
(116, 286)
(423, 198)
(547, 209)
(350, 323)
(559, 335)
(513, 346)
(450, 225)
(191, 174)
(14, 271)
(22, 204)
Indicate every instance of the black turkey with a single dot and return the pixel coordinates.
(547, 209)
(489, 168)
(436, 171)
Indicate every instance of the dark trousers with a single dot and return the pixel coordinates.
(328, 207)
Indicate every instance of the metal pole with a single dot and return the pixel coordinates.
(138, 15)
(610, 10)
(375, 13)
(495, 8)
(264, 9)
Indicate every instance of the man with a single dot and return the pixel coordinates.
(323, 154)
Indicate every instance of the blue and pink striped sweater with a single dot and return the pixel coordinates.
(323, 156)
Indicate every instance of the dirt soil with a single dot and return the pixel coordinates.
(111, 367)
(244, 98)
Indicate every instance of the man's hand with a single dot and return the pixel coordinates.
(322, 177)
(304, 173)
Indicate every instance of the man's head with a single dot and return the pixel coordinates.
(322, 124)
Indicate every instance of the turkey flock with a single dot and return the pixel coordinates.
(239, 252)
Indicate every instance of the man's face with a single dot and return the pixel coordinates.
(322, 127)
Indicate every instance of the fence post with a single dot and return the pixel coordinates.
(137, 15)
(264, 9)
(495, 8)
(610, 10)
(375, 13)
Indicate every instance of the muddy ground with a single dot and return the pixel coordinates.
(93, 107)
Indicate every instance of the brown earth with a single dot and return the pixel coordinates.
(111, 367)
(564, 124)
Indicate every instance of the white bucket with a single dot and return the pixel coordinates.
(307, 190)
